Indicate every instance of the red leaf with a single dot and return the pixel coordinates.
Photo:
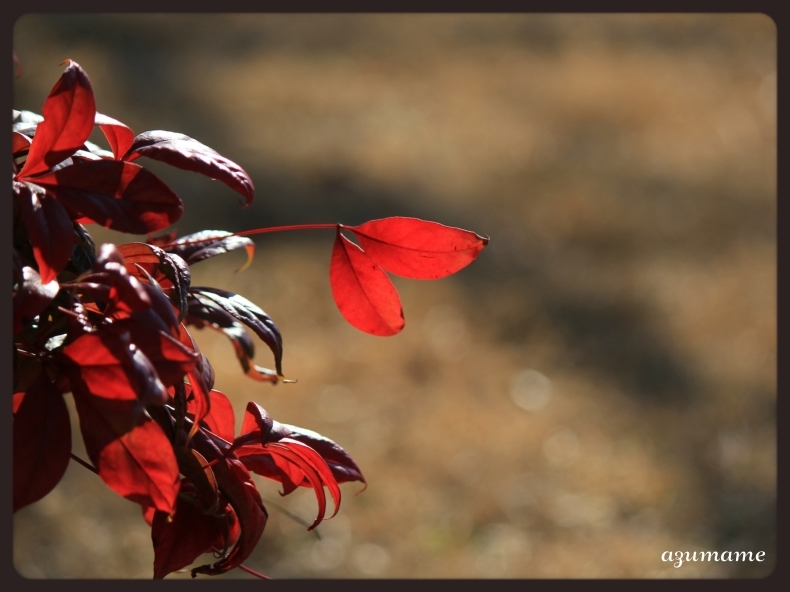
(210, 243)
(109, 366)
(68, 121)
(417, 249)
(42, 442)
(49, 228)
(220, 418)
(343, 467)
(236, 484)
(19, 142)
(31, 296)
(363, 293)
(118, 195)
(170, 358)
(136, 463)
(179, 542)
(187, 153)
(118, 134)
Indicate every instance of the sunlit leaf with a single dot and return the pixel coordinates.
(363, 293)
(418, 249)
(68, 121)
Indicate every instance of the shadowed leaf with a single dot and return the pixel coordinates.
(187, 153)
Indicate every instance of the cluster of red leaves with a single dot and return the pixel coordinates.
(109, 326)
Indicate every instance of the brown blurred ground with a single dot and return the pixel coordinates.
(597, 388)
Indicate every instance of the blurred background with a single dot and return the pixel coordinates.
(597, 388)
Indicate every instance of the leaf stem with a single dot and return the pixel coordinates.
(258, 231)
(88, 466)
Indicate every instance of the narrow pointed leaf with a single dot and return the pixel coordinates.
(42, 442)
(68, 121)
(343, 467)
(220, 242)
(417, 249)
(187, 153)
(363, 293)
(220, 418)
(248, 313)
(118, 195)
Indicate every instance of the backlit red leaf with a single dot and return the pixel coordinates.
(68, 121)
(136, 463)
(220, 418)
(115, 194)
(118, 134)
(363, 293)
(187, 153)
(109, 366)
(42, 442)
(418, 249)
(49, 228)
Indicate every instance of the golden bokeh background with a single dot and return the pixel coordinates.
(597, 388)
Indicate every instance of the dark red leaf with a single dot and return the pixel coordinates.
(340, 463)
(68, 121)
(49, 228)
(208, 313)
(221, 242)
(42, 442)
(179, 542)
(236, 484)
(187, 153)
(118, 134)
(118, 195)
(169, 357)
(31, 297)
(417, 249)
(168, 270)
(136, 462)
(363, 293)
(248, 313)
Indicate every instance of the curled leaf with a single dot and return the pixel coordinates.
(210, 243)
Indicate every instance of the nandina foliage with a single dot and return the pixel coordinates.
(108, 326)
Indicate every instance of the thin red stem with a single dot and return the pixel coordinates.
(260, 231)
